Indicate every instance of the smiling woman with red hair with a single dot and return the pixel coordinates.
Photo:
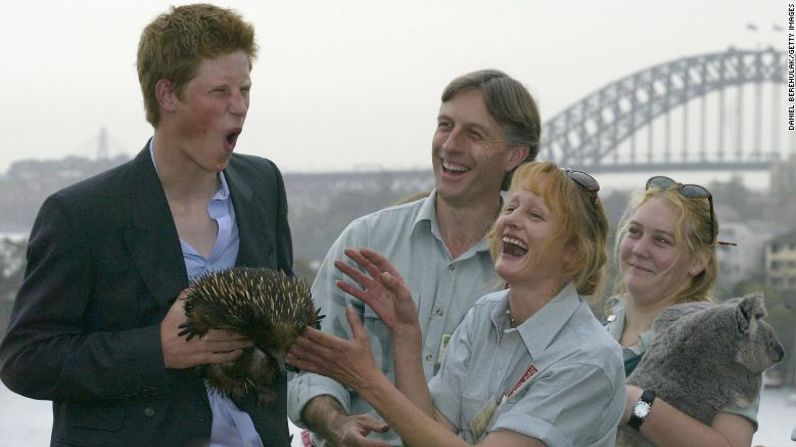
(529, 365)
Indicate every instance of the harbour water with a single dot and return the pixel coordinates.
(26, 423)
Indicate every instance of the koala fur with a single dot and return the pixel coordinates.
(705, 357)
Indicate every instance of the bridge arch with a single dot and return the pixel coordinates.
(587, 133)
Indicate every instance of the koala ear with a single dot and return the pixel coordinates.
(750, 308)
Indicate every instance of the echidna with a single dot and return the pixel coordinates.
(265, 305)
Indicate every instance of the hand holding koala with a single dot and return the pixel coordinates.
(705, 357)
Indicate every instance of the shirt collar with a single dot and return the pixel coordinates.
(615, 322)
(539, 331)
(223, 191)
(616, 325)
(427, 213)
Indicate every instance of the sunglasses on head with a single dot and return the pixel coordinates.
(689, 191)
(583, 179)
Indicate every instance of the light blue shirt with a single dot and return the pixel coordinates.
(576, 397)
(443, 288)
(230, 427)
(616, 326)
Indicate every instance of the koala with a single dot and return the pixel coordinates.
(705, 357)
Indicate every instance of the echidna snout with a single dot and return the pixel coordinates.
(253, 369)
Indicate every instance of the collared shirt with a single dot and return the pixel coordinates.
(576, 397)
(230, 427)
(616, 326)
(443, 288)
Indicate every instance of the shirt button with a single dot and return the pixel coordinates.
(428, 357)
(149, 412)
(440, 312)
(452, 267)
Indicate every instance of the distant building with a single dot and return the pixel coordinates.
(746, 259)
(780, 261)
(783, 177)
(783, 190)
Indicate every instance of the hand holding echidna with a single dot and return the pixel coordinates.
(264, 305)
(216, 346)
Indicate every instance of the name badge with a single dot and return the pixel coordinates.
(481, 420)
(443, 348)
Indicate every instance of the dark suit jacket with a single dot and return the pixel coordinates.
(104, 266)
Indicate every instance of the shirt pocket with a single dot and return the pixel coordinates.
(380, 341)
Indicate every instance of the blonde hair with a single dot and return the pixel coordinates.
(581, 222)
(693, 235)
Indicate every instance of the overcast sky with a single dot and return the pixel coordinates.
(344, 84)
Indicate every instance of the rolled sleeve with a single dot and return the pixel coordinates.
(446, 400)
(306, 386)
(575, 404)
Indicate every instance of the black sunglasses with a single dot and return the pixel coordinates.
(690, 191)
(583, 179)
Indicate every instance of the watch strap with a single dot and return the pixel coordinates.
(647, 398)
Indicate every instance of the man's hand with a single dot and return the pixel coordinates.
(325, 416)
(216, 346)
(353, 431)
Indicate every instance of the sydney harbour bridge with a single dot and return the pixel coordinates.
(717, 111)
(723, 111)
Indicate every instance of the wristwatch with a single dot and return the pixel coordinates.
(641, 409)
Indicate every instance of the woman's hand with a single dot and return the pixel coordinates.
(347, 361)
(383, 289)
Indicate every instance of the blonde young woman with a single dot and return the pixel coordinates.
(666, 251)
(529, 365)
